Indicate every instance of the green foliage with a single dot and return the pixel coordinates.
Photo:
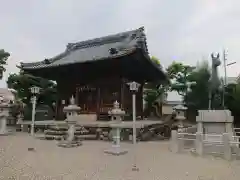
(197, 98)
(16, 108)
(3, 61)
(178, 74)
(153, 91)
(151, 96)
(22, 82)
(155, 60)
(232, 98)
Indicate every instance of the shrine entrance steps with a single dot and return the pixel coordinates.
(56, 132)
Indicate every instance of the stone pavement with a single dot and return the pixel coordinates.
(89, 162)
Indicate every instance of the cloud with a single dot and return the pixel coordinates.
(183, 30)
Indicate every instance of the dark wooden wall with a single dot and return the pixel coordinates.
(98, 96)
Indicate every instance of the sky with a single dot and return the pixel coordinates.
(177, 30)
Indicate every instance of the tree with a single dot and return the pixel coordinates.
(153, 92)
(152, 97)
(197, 98)
(232, 98)
(155, 60)
(3, 61)
(179, 73)
(22, 82)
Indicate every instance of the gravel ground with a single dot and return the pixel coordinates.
(89, 161)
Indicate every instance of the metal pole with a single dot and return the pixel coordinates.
(223, 95)
(134, 131)
(134, 117)
(225, 67)
(33, 114)
(225, 77)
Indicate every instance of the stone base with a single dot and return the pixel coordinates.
(5, 133)
(69, 144)
(40, 136)
(116, 151)
(135, 168)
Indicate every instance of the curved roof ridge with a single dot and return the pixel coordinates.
(122, 42)
(103, 40)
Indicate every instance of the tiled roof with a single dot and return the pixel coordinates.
(106, 47)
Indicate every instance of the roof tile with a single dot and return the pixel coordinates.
(95, 49)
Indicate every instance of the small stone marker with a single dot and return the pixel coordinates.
(31, 149)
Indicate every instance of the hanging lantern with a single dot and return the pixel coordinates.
(35, 90)
(133, 86)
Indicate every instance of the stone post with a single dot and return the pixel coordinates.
(199, 124)
(174, 141)
(24, 128)
(227, 147)
(229, 129)
(199, 143)
(180, 142)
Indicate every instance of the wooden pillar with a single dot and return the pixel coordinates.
(77, 95)
(57, 104)
(122, 93)
(141, 98)
(98, 100)
(61, 95)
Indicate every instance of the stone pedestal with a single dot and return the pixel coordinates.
(116, 148)
(70, 141)
(199, 143)
(4, 112)
(213, 124)
(71, 111)
(116, 114)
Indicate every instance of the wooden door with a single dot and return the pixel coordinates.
(109, 94)
(88, 100)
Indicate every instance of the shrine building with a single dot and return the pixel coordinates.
(96, 72)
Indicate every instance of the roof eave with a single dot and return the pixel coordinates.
(31, 65)
(164, 75)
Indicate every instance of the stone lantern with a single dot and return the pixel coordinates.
(4, 113)
(116, 115)
(180, 111)
(71, 111)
